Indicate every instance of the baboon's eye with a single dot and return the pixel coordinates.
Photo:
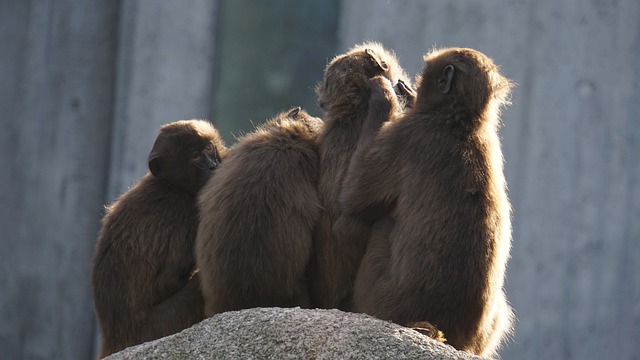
(209, 147)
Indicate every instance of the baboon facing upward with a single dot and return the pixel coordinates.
(257, 218)
(344, 95)
(143, 282)
(440, 170)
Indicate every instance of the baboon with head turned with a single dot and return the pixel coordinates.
(257, 218)
(144, 286)
(440, 170)
(344, 94)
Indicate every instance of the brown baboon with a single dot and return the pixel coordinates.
(144, 285)
(439, 170)
(257, 218)
(344, 94)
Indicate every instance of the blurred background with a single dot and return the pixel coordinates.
(84, 87)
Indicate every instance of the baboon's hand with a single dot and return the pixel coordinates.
(383, 97)
(405, 93)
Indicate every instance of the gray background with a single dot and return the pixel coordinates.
(84, 88)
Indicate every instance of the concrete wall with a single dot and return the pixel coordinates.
(57, 78)
(84, 87)
(572, 144)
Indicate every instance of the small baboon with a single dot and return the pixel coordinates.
(144, 286)
(257, 218)
(438, 170)
(344, 94)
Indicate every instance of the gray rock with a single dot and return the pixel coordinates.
(275, 333)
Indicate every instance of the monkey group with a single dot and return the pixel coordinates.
(394, 205)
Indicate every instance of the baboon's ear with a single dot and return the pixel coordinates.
(294, 112)
(155, 165)
(444, 82)
(377, 62)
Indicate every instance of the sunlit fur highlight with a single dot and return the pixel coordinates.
(438, 171)
(257, 218)
(344, 95)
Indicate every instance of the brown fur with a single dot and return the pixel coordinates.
(258, 216)
(349, 123)
(143, 282)
(440, 170)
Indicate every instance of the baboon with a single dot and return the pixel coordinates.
(349, 124)
(257, 218)
(439, 171)
(144, 286)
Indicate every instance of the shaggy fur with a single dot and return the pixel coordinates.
(344, 94)
(258, 216)
(143, 282)
(438, 171)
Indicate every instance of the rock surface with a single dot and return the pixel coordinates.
(275, 333)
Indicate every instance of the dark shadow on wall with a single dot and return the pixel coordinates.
(270, 56)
